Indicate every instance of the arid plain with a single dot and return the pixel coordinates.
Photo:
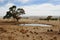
(11, 30)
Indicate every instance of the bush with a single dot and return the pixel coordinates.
(54, 19)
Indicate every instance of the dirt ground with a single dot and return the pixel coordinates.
(10, 30)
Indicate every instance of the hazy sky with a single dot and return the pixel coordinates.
(32, 7)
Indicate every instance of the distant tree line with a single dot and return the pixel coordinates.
(49, 18)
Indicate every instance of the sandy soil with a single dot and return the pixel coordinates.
(10, 30)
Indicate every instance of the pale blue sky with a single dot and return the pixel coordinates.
(29, 2)
(32, 7)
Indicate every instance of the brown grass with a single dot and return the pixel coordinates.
(10, 31)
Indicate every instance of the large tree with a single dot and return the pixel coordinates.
(14, 13)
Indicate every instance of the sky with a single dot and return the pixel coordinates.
(32, 7)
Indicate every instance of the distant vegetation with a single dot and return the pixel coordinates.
(49, 18)
(43, 18)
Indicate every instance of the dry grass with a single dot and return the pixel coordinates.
(10, 31)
